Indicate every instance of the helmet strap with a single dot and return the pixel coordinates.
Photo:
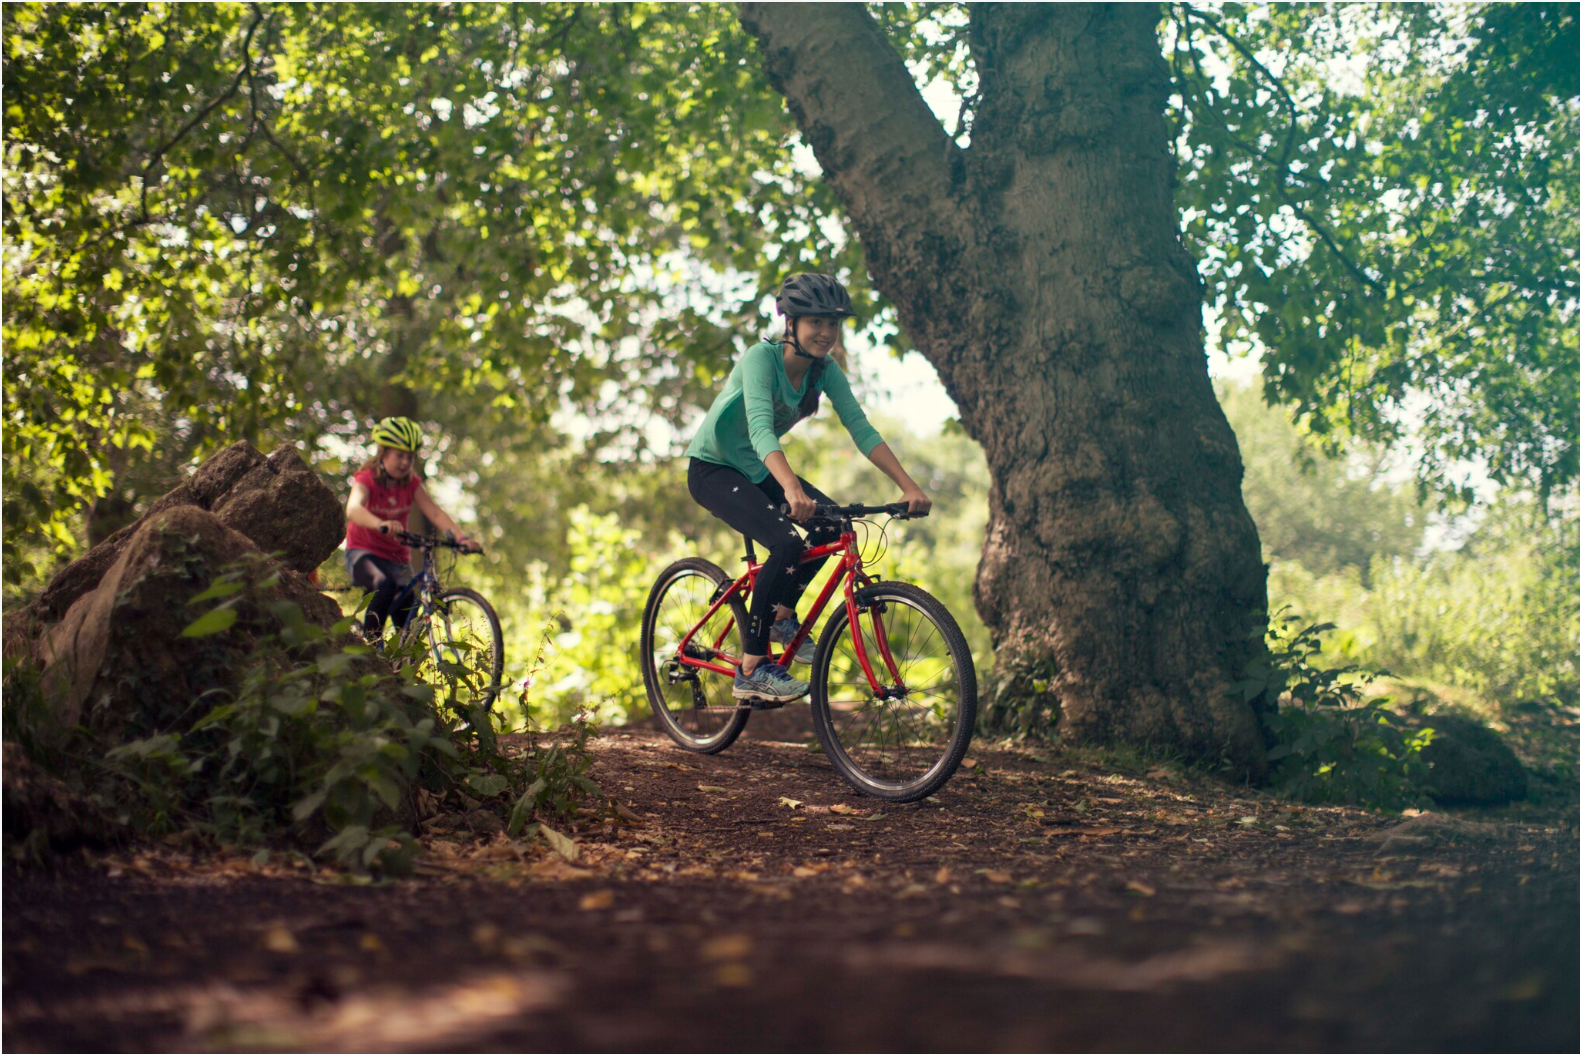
(795, 344)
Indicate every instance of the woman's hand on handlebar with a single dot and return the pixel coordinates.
(466, 545)
(390, 527)
(918, 501)
(802, 507)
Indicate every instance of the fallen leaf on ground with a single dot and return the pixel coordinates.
(790, 803)
(598, 900)
(1140, 888)
(733, 975)
(729, 946)
(279, 939)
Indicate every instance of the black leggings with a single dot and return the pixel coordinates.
(753, 510)
(380, 577)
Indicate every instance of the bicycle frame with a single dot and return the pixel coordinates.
(425, 576)
(847, 572)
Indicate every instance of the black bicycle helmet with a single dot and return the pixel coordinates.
(813, 294)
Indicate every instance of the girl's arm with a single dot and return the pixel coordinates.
(439, 518)
(884, 458)
(357, 511)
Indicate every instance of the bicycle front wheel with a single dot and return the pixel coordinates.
(902, 738)
(466, 650)
(694, 705)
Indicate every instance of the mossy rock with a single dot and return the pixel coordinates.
(1469, 763)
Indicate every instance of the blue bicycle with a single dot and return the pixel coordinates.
(452, 635)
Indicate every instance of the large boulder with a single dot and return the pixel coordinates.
(103, 648)
(277, 501)
(118, 663)
(286, 510)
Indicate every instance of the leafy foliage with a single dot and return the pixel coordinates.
(1333, 742)
(595, 667)
(1498, 617)
(309, 211)
(1486, 602)
(1324, 513)
(319, 747)
(1383, 201)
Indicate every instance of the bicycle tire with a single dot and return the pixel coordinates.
(859, 771)
(494, 668)
(713, 734)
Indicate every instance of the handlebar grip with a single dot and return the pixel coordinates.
(384, 528)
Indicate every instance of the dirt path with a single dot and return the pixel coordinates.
(1041, 902)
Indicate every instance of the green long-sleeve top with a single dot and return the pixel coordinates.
(759, 404)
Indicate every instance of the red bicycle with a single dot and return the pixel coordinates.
(894, 692)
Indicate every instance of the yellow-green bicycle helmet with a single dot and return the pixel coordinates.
(398, 433)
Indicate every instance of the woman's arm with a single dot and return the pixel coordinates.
(867, 439)
(439, 518)
(884, 458)
(801, 506)
(357, 510)
(758, 377)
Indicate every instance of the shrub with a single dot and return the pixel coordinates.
(320, 747)
(1332, 742)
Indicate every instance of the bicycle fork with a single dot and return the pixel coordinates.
(880, 634)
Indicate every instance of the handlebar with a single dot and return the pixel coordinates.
(428, 541)
(900, 510)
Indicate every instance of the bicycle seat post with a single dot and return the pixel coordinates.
(751, 554)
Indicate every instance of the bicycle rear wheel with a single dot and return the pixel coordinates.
(465, 648)
(695, 707)
(904, 741)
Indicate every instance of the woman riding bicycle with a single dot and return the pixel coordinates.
(382, 495)
(739, 473)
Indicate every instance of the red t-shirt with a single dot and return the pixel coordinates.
(387, 503)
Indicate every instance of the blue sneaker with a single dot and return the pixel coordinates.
(768, 686)
(784, 631)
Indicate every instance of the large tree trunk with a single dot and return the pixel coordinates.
(1040, 271)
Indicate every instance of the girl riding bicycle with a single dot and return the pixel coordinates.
(740, 474)
(383, 492)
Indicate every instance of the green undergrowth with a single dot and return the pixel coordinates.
(1334, 739)
(318, 747)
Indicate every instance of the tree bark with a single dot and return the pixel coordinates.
(1041, 272)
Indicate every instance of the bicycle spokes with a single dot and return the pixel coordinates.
(895, 715)
(460, 644)
(696, 699)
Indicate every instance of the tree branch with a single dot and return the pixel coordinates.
(1281, 166)
(888, 159)
(201, 115)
